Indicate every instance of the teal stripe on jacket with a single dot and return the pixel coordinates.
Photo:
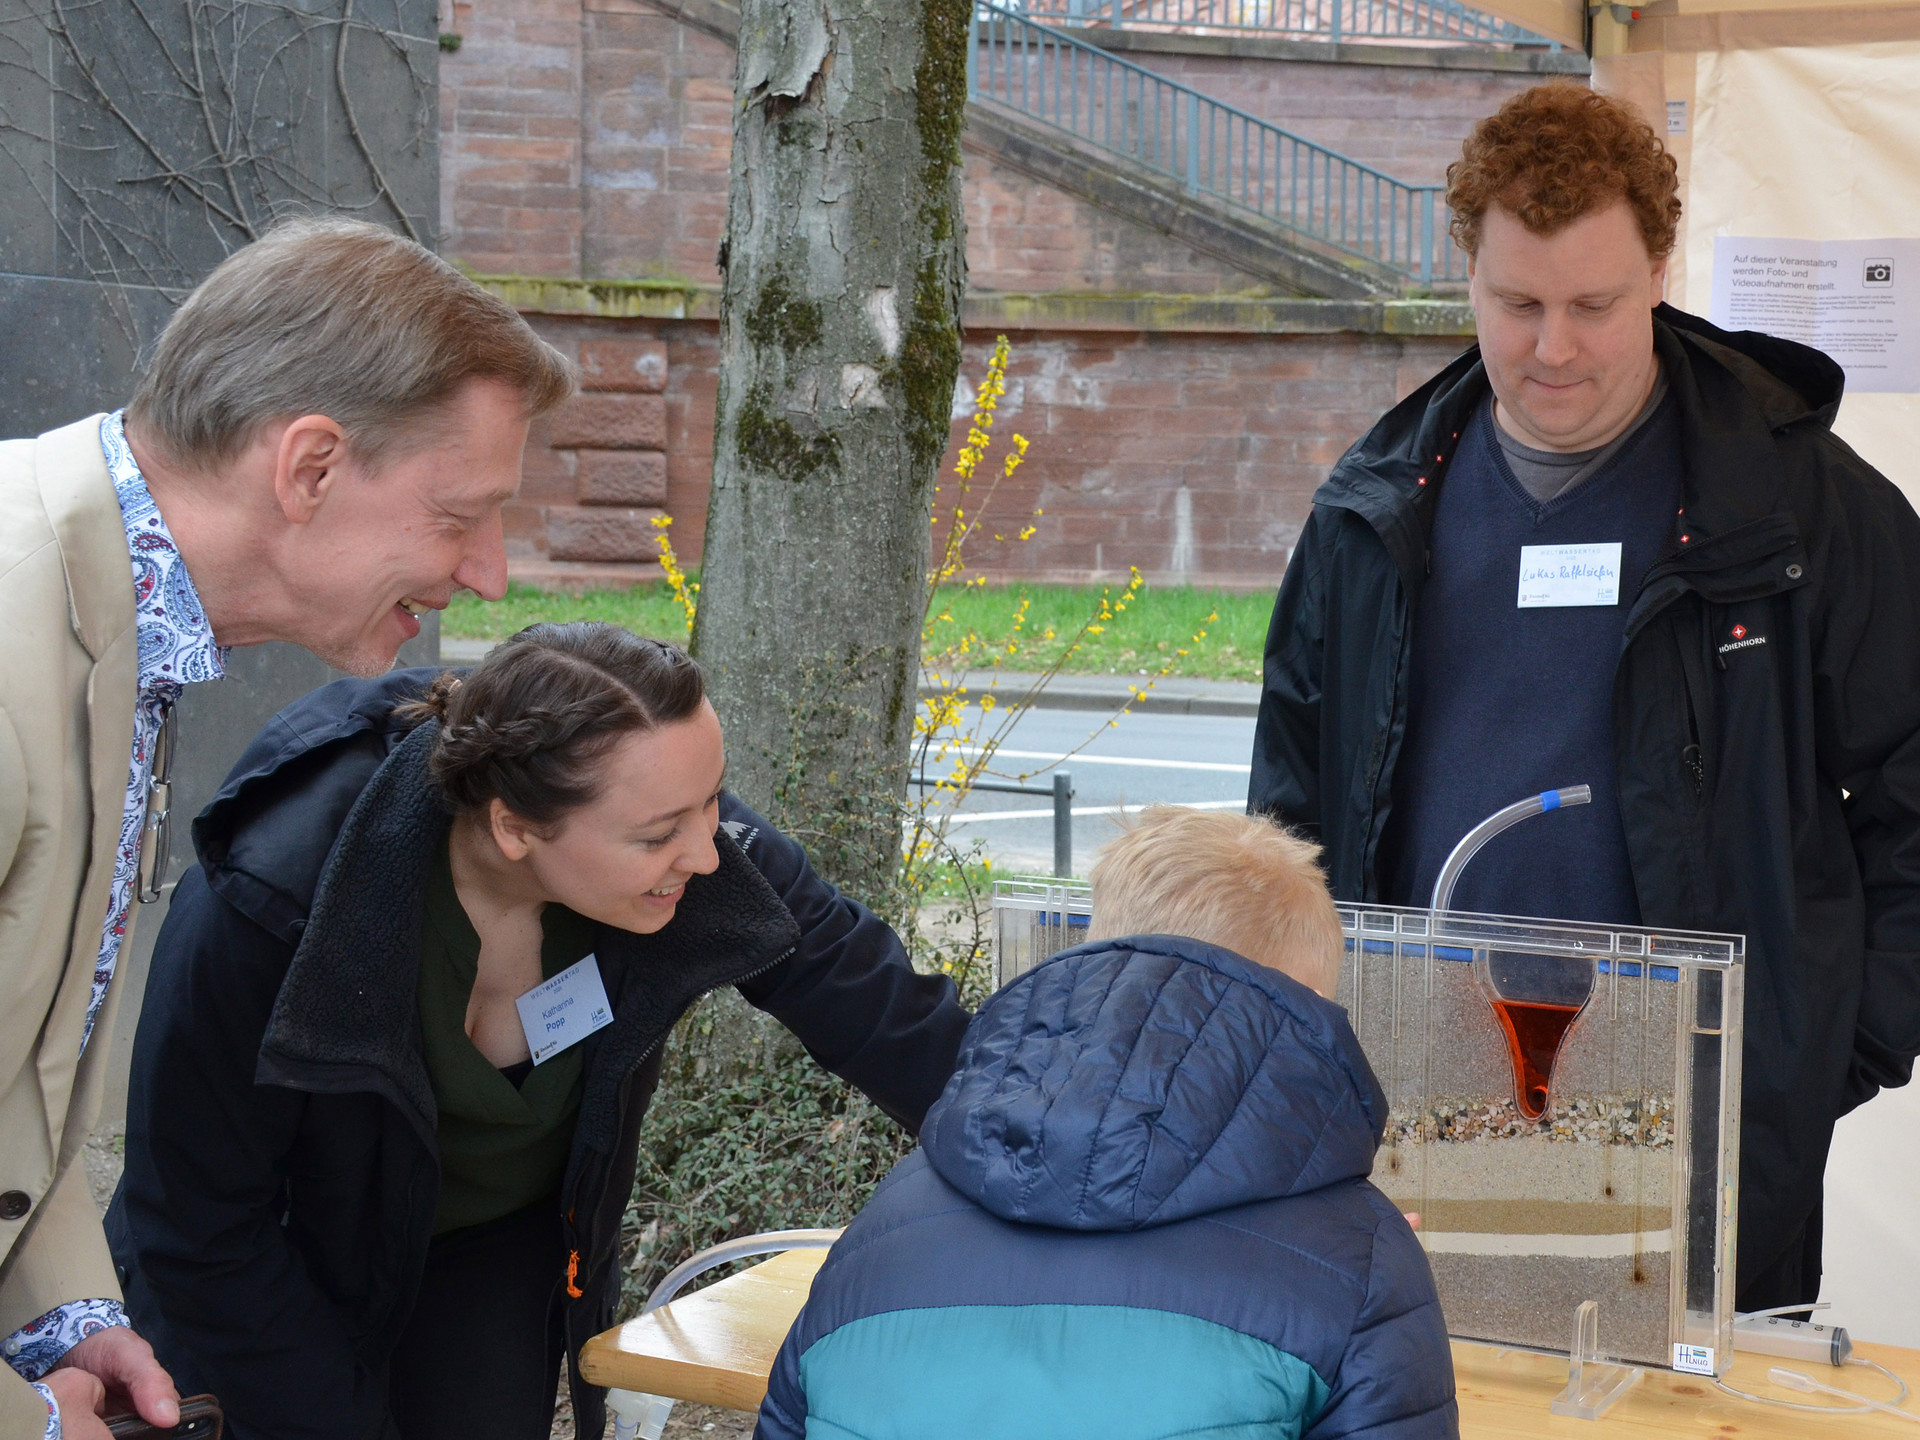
(1052, 1372)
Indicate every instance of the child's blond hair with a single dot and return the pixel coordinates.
(1237, 881)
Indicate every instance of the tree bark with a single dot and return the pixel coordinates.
(840, 343)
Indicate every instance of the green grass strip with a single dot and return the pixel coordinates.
(1148, 637)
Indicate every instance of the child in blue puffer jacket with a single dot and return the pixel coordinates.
(1141, 1209)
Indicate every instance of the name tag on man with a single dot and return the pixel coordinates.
(565, 1010)
(1569, 575)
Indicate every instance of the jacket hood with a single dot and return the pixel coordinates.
(1790, 383)
(1134, 1082)
(265, 836)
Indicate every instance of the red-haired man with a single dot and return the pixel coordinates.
(1615, 546)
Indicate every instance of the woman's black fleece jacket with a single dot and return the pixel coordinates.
(282, 1175)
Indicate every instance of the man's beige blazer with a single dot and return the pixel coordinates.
(68, 676)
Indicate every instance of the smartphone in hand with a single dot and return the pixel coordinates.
(200, 1419)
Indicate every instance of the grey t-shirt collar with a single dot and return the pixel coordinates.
(1549, 474)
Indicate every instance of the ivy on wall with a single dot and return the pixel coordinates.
(141, 141)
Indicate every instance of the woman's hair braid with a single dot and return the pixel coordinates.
(531, 722)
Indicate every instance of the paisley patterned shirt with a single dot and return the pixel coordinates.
(176, 648)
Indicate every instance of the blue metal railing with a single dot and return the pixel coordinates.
(1422, 21)
(1210, 148)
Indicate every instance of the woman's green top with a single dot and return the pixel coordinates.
(501, 1148)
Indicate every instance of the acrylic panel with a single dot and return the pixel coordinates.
(1563, 1112)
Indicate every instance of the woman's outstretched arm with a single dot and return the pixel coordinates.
(848, 991)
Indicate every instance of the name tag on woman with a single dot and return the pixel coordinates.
(1569, 575)
(565, 1010)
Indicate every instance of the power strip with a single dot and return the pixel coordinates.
(1802, 1340)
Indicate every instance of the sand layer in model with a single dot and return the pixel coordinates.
(1522, 1222)
(1528, 1169)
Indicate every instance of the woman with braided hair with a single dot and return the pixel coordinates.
(405, 1017)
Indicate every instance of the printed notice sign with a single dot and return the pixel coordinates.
(564, 1010)
(1569, 575)
(1858, 300)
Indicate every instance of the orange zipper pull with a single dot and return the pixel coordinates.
(573, 1271)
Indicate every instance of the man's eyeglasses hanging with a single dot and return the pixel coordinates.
(156, 840)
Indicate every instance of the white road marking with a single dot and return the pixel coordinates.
(973, 817)
(1216, 765)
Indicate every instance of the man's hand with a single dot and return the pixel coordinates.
(110, 1372)
(79, 1396)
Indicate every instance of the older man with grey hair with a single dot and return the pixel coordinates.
(318, 453)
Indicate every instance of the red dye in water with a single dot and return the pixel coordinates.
(1534, 1033)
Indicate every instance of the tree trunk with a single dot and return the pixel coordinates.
(840, 343)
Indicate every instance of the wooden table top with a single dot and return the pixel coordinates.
(715, 1347)
(1504, 1394)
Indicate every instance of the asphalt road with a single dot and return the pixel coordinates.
(1185, 759)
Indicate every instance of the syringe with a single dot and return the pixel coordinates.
(1766, 1332)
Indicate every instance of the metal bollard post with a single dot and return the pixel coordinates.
(1062, 823)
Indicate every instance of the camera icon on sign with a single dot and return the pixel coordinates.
(1878, 272)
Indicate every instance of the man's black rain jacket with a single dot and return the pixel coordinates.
(1766, 719)
(282, 1173)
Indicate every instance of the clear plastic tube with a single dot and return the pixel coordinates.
(747, 1246)
(1807, 1385)
(1865, 1406)
(1500, 820)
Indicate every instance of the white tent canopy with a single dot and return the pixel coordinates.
(1801, 121)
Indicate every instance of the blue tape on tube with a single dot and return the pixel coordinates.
(1550, 800)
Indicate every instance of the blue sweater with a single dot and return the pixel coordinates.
(1139, 1210)
(1505, 703)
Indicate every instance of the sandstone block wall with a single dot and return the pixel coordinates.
(1023, 234)
(510, 154)
(584, 139)
(1192, 456)
(600, 468)
(589, 139)
(658, 124)
(1406, 120)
